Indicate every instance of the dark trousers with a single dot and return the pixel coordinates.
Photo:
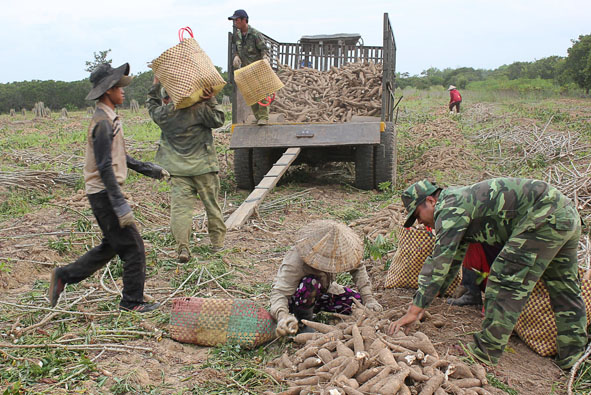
(125, 242)
(455, 104)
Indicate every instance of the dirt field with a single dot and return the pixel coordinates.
(81, 350)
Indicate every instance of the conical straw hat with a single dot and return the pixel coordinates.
(329, 246)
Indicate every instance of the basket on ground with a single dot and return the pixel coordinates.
(211, 322)
(414, 246)
(536, 325)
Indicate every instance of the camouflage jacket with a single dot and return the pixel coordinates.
(250, 47)
(186, 143)
(488, 212)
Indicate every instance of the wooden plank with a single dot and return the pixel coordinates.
(239, 217)
(305, 135)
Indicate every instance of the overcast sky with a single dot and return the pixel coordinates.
(43, 40)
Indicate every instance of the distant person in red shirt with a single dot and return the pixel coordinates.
(454, 99)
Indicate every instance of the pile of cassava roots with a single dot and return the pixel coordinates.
(335, 95)
(356, 357)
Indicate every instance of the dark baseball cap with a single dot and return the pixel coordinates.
(238, 14)
(415, 195)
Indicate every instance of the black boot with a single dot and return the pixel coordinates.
(472, 296)
(467, 299)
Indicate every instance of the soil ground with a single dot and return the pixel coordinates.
(30, 247)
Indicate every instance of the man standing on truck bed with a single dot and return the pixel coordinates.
(250, 47)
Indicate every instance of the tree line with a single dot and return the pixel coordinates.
(553, 71)
(573, 70)
(70, 95)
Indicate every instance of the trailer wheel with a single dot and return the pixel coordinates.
(385, 156)
(364, 167)
(262, 160)
(243, 168)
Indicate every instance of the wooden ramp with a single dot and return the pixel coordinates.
(256, 197)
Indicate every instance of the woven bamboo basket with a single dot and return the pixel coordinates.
(536, 325)
(212, 321)
(414, 246)
(185, 71)
(257, 81)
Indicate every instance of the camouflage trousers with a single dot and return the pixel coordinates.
(185, 193)
(260, 112)
(547, 251)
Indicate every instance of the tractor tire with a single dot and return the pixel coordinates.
(364, 167)
(385, 157)
(243, 168)
(263, 160)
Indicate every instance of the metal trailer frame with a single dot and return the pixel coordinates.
(370, 142)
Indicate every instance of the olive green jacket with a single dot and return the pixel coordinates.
(186, 143)
(250, 47)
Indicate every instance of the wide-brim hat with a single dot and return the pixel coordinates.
(451, 87)
(104, 77)
(329, 246)
(415, 195)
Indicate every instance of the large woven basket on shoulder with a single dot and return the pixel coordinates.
(185, 71)
(212, 322)
(257, 81)
(536, 325)
(414, 246)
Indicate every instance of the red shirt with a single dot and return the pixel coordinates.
(454, 96)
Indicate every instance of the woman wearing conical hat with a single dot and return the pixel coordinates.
(305, 282)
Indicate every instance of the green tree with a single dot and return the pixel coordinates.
(227, 90)
(578, 62)
(545, 68)
(99, 58)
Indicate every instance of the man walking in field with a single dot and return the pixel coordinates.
(105, 170)
(250, 47)
(539, 229)
(455, 99)
(187, 151)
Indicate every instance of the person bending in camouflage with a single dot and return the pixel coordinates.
(539, 229)
(250, 47)
(188, 153)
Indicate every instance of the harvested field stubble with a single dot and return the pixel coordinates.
(436, 147)
(381, 223)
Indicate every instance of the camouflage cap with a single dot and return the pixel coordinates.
(415, 195)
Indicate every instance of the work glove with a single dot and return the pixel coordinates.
(126, 219)
(165, 175)
(373, 305)
(286, 325)
(236, 63)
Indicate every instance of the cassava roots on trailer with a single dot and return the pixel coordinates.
(337, 106)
